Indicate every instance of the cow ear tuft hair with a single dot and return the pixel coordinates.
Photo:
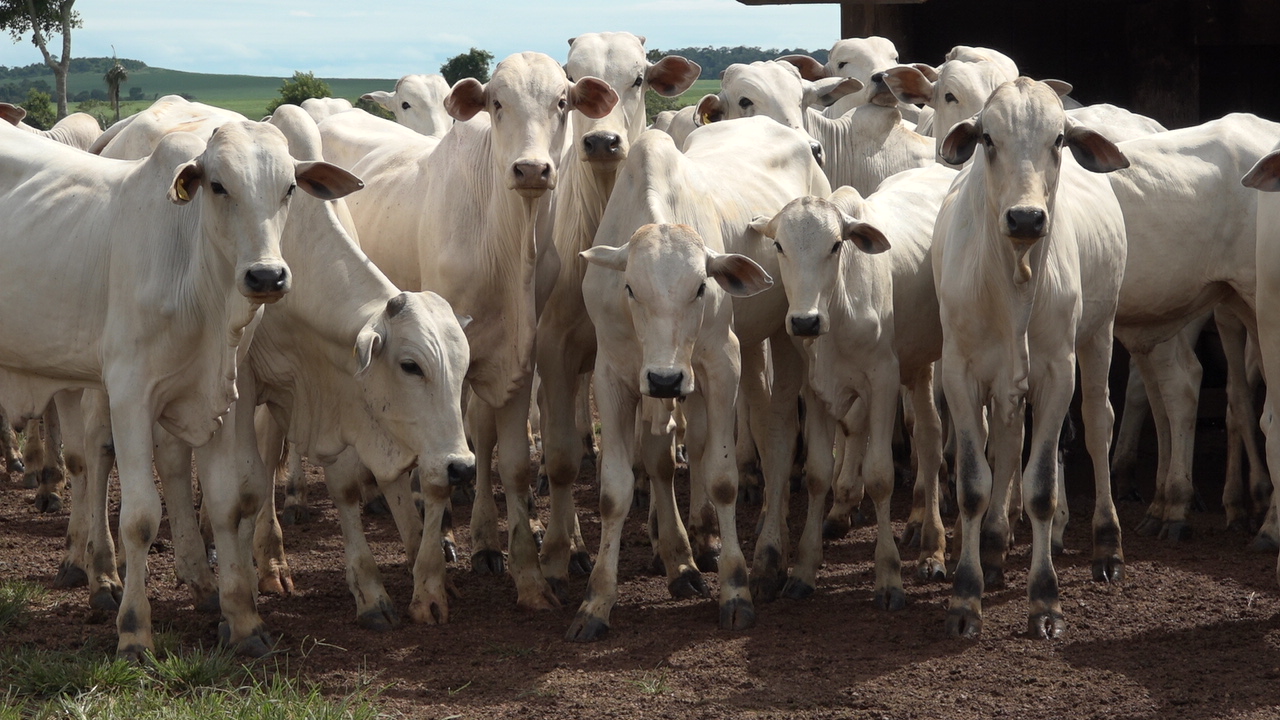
(467, 98)
(865, 236)
(369, 344)
(1094, 152)
(960, 142)
(325, 180)
(739, 275)
(1265, 175)
(766, 225)
(608, 257)
(710, 109)
(186, 181)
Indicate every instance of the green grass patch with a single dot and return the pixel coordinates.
(16, 598)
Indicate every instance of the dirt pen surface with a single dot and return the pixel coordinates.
(1193, 632)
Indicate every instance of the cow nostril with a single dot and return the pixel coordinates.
(806, 325)
(461, 473)
(1025, 222)
(269, 279)
(665, 385)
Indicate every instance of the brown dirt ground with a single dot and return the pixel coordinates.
(1193, 632)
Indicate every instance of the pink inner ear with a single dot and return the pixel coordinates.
(465, 100)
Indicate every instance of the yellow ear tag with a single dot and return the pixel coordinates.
(182, 192)
(706, 118)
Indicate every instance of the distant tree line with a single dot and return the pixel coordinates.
(714, 60)
(78, 65)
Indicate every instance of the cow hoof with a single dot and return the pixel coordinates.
(586, 628)
(377, 507)
(48, 502)
(257, 644)
(488, 562)
(133, 653)
(796, 589)
(31, 479)
(277, 582)
(912, 537)
(450, 550)
(69, 576)
(295, 515)
(891, 599)
(1176, 532)
(1239, 525)
(708, 561)
(210, 603)
(992, 577)
(931, 570)
(14, 465)
(834, 529)
(560, 588)
(737, 614)
(1046, 626)
(1264, 544)
(1109, 570)
(538, 537)
(657, 567)
(106, 599)
(1149, 527)
(688, 584)
(963, 623)
(1056, 548)
(765, 587)
(379, 618)
(580, 563)
(463, 494)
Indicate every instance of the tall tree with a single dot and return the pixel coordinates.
(114, 78)
(43, 19)
(471, 64)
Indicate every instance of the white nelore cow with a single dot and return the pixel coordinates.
(171, 113)
(418, 103)
(163, 296)
(1028, 256)
(321, 108)
(351, 136)
(78, 130)
(659, 184)
(594, 154)
(484, 184)
(859, 283)
(858, 58)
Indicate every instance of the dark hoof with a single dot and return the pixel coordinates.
(295, 515)
(106, 599)
(796, 589)
(992, 577)
(580, 563)
(488, 562)
(463, 495)
(834, 529)
(891, 599)
(963, 624)
(1175, 532)
(31, 479)
(379, 618)
(586, 628)
(538, 537)
(134, 654)
(689, 584)
(931, 571)
(1149, 527)
(737, 614)
(708, 562)
(450, 550)
(377, 507)
(70, 576)
(657, 567)
(209, 604)
(1264, 543)
(1056, 549)
(765, 587)
(48, 502)
(1046, 626)
(560, 588)
(913, 536)
(15, 466)
(1108, 570)
(257, 645)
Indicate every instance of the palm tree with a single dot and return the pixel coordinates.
(114, 78)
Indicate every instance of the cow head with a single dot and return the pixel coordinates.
(620, 60)
(811, 236)
(1022, 130)
(956, 91)
(411, 358)
(528, 101)
(418, 103)
(774, 89)
(857, 58)
(667, 269)
(244, 179)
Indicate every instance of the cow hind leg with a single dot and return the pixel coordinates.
(173, 465)
(926, 439)
(1099, 419)
(53, 476)
(374, 610)
(820, 466)
(486, 548)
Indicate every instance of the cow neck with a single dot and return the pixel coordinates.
(581, 198)
(865, 146)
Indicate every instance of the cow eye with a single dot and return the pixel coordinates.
(404, 106)
(629, 293)
(563, 103)
(745, 103)
(411, 368)
(497, 106)
(217, 188)
(986, 140)
(1058, 142)
(702, 289)
(778, 246)
(289, 193)
(639, 81)
(949, 98)
(836, 248)
(569, 77)
(840, 66)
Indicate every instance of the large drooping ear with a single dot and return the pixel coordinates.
(1094, 152)
(608, 257)
(369, 344)
(928, 71)
(810, 69)
(1265, 175)
(186, 180)
(739, 275)
(910, 85)
(325, 180)
(766, 225)
(710, 109)
(11, 114)
(828, 90)
(382, 97)
(864, 236)
(960, 142)
(672, 75)
(467, 98)
(1061, 87)
(592, 97)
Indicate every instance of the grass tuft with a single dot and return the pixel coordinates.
(653, 683)
(16, 599)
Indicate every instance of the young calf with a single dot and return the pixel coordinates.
(663, 331)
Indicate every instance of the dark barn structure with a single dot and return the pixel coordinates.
(1181, 62)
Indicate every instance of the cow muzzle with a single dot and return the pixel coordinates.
(879, 92)
(815, 147)
(532, 178)
(806, 325)
(267, 283)
(603, 146)
(1025, 222)
(665, 383)
(461, 473)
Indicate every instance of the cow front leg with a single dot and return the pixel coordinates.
(53, 476)
(882, 405)
(848, 488)
(486, 548)
(1040, 493)
(105, 588)
(139, 520)
(819, 467)
(1099, 419)
(71, 571)
(973, 491)
(374, 610)
(926, 439)
(191, 564)
(431, 588)
(532, 590)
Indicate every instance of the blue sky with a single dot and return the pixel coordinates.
(390, 38)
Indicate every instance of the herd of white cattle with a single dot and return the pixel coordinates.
(170, 291)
